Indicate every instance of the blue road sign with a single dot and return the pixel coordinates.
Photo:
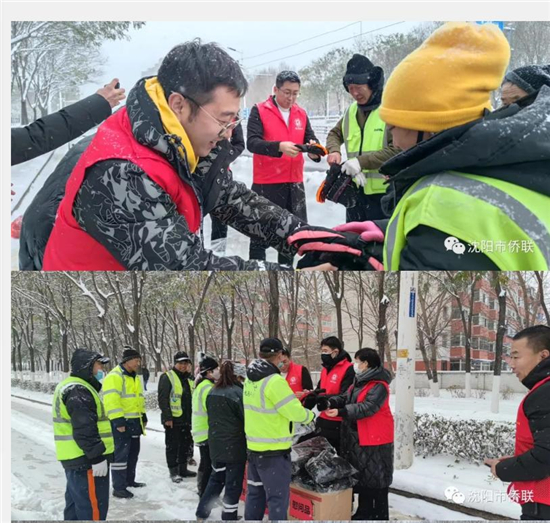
(412, 303)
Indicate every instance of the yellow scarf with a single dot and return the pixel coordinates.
(169, 121)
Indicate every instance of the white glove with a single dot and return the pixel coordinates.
(353, 168)
(100, 469)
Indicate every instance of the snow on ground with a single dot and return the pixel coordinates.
(431, 477)
(326, 214)
(35, 470)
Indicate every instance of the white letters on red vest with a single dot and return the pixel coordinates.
(267, 169)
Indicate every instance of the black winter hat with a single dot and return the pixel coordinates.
(129, 354)
(207, 363)
(361, 71)
(271, 345)
(181, 356)
(530, 78)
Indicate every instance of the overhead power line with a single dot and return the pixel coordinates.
(325, 45)
(300, 42)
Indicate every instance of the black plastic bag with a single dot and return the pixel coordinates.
(328, 467)
(302, 452)
(303, 479)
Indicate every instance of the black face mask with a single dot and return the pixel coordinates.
(327, 359)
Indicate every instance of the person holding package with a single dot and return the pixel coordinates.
(367, 432)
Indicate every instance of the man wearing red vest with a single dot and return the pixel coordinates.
(529, 469)
(134, 200)
(297, 376)
(273, 129)
(336, 378)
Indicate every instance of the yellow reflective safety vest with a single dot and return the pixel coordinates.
(357, 142)
(270, 411)
(199, 421)
(508, 223)
(66, 447)
(176, 392)
(123, 395)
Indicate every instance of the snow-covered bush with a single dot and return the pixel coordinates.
(456, 391)
(422, 393)
(479, 394)
(470, 440)
(38, 386)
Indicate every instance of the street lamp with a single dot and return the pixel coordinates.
(241, 63)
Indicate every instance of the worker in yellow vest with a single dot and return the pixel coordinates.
(270, 410)
(175, 390)
(125, 406)
(470, 190)
(367, 141)
(83, 438)
(208, 374)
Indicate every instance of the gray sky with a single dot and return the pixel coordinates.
(127, 60)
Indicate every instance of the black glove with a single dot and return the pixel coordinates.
(309, 148)
(309, 401)
(322, 403)
(338, 187)
(343, 262)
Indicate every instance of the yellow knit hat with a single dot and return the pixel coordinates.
(448, 80)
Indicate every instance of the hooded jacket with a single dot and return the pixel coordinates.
(511, 144)
(147, 211)
(374, 463)
(82, 409)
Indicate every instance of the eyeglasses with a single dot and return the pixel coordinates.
(224, 126)
(290, 94)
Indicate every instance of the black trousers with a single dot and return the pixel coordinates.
(205, 468)
(289, 196)
(535, 511)
(373, 504)
(219, 229)
(368, 208)
(123, 468)
(230, 476)
(177, 440)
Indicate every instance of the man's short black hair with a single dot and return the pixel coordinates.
(195, 69)
(287, 76)
(286, 352)
(369, 355)
(538, 337)
(333, 342)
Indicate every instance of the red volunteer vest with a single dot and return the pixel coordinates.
(70, 248)
(333, 381)
(294, 377)
(528, 491)
(377, 429)
(267, 169)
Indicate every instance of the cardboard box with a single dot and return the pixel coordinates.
(307, 505)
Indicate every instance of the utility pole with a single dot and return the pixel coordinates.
(406, 358)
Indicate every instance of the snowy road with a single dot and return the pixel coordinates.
(38, 482)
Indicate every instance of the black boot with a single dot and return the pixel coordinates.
(137, 484)
(122, 494)
(174, 476)
(185, 473)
